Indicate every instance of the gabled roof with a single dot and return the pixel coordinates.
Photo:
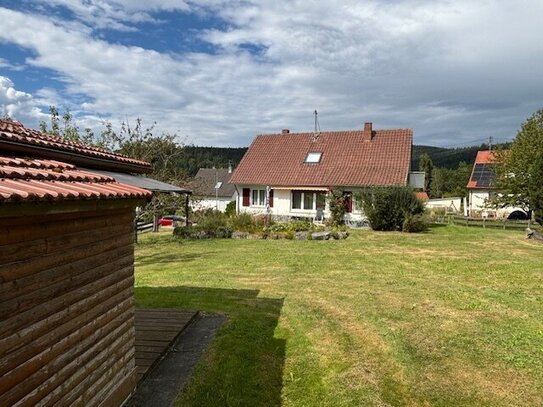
(27, 179)
(207, 178)
(348, 158)
(15, 138)
(482, 175)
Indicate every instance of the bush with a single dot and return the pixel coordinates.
(415, 224)
(230, 209)
(183, 232)
(243, 222)
(337, 202)
(387, 208)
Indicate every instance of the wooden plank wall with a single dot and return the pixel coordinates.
(67, 309)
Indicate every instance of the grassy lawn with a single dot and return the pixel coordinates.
(451, 317)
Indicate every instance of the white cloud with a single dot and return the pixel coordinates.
(17, 104)
(454, 71)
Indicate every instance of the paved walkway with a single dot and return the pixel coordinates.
(161, 378)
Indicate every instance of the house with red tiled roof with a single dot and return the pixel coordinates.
(66, 270)
(481, 190)
(212, 189)
(290, 174)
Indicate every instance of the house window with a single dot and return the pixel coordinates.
(308, 200)
(297, 199)
(259, 197)
(313, 158)
(320, 198)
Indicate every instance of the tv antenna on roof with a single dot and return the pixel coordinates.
(317, 130)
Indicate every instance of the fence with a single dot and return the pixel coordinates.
(488, 223)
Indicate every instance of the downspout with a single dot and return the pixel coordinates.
(237, 199)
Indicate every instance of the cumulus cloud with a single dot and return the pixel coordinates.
(17, 104)
(454, 71)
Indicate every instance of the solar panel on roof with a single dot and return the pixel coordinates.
(482, 175)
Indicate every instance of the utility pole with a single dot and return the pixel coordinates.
(490, 143)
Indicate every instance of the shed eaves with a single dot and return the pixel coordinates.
(26, 179)
(14, 135)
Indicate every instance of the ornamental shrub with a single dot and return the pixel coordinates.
(388, 208)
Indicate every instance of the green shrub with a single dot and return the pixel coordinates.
(243, 222)
(415, 224)
(230, 209)
(337, 203)
(387, 208)
(183, 232)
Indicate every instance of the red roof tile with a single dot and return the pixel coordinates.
(421, 195)
(16, 133)
(24, 179)
(349, 158)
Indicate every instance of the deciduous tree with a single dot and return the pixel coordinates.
(519, 170)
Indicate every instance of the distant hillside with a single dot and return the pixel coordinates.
(446, 157)
(208, 157)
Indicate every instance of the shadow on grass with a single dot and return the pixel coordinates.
(170, 258)
(244, 365)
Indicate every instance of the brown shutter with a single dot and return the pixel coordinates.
(246, 196)
(270, 201)
(348, 202)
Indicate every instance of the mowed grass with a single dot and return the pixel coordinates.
(452, 317)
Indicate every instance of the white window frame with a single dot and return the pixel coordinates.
(261, 197)
(303, 193)
(313, 157)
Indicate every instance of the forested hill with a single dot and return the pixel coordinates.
(209, 157)
(446, 157)
(219, 157)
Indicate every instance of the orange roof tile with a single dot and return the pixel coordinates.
(421, 195)
(25, 179)
(348, 158)
(16, 134)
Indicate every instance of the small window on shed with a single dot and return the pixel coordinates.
(313, 158)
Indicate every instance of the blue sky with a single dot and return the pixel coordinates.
(217, 72)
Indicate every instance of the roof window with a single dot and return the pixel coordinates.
(313, 158)
(218, 185)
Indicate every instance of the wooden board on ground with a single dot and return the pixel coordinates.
(156, 332)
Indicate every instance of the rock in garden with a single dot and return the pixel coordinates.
(320, 235)
(301, 235)
(240, 235)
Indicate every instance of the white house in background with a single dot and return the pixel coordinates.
(481, 190)
(212, 189)
(290, 174)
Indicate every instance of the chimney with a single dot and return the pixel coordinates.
(368, 131)
(285, 131)
(229, 167)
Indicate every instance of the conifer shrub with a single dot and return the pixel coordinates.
(391, 208)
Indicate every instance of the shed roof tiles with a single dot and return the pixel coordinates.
(15, 136)
(349, 158)
(26, 179)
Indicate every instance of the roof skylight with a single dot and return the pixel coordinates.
(313, 158)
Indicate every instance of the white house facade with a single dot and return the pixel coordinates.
(290, 175)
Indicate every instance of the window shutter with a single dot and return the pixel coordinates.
(270, 201)
(246, 197)
(348, 202)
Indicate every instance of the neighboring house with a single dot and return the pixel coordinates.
(290, 174)
(481, 190)
(66, 271)
(212, 189)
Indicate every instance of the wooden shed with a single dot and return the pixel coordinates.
(66, 272)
